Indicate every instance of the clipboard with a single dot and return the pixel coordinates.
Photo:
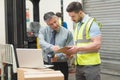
(64, 50)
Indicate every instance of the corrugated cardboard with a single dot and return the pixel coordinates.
(39, 74)
(35, 70)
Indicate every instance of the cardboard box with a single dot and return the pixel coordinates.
(39, 74)
(34, 70)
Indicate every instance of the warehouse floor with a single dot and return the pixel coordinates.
(71, 76)
(103, 77)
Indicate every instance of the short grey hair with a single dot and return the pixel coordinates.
(48, 16)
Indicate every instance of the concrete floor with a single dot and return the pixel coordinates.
(103, 77)
(71, 76)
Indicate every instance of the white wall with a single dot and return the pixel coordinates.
(2, 23)
(55, 6)
(46, 6)
(66, 16)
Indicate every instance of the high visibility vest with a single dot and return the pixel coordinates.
(82, 38)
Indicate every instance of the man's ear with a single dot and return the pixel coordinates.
(80, 12)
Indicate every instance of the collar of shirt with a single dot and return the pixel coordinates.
(84, 18)
(83, 21)
(57, 30)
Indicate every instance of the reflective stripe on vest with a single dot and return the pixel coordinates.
(82, 38)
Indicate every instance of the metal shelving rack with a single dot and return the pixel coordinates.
(7, 61)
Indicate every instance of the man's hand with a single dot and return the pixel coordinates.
(54, 59)
(55, 48)
(71, 51)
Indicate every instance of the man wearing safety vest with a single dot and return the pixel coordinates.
(87, 36)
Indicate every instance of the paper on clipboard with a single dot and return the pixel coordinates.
(63, 50)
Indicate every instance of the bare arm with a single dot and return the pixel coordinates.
(93, 46)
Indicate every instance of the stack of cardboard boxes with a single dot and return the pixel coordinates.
(39, 74)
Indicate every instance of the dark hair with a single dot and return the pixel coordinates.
(48, 15)
(74, 7)
(59, 14)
